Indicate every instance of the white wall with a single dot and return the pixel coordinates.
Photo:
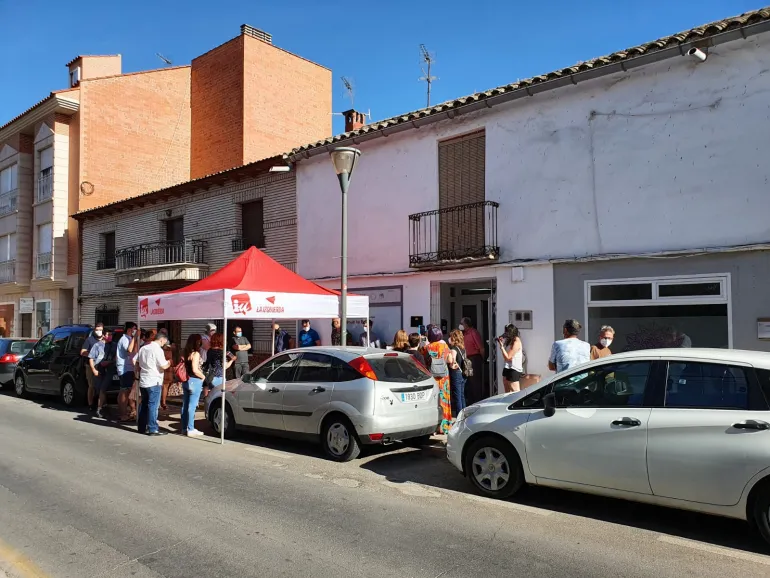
(642, 161)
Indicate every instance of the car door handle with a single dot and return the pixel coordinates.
(627, 421)
(752, 424)
(318, 389)
(273, 390)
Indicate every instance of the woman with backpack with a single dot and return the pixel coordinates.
(513, 355)
(458, 368)
(192, 377)
(437, 355)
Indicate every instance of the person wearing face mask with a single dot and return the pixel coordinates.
(240, 346)
(602, 349)
(101, 358)
(91, 340)
(128, 345)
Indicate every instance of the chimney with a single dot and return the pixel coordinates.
(247, 30)
(354, 120)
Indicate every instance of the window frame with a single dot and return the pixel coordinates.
(292, 360)
(12, 169)
(298, 369)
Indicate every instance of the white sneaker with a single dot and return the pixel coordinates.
(194, 433)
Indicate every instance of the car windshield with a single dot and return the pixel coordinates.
(21, 347)
(400, 369)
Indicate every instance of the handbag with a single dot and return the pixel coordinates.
(180, 371)
(466, 366)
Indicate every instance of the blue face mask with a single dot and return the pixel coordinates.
(238, 334)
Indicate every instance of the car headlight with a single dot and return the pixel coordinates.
(467, 412)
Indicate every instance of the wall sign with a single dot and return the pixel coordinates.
(26, 305)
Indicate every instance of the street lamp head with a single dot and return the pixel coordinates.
(344, 160)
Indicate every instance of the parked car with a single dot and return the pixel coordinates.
(12, 349)
(54, 366)
(345, 397)
(682, 428)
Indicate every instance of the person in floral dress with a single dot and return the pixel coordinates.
(437, 348)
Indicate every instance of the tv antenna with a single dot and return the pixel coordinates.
(163, 58)
(426, 62)
(348, 88)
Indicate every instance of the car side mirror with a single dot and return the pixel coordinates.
(246, 378)
(550, 404)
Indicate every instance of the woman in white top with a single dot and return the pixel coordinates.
(510, 347)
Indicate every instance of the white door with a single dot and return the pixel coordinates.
(598, 435)
(711, 437)
(306, 397)
(261, 400)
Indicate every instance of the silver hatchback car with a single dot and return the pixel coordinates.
(345, 397)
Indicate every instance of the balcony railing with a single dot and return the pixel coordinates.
(105, 263)
(44, 187)
(7, 271)
(160, 254)
(43, 265)
(455, 235)
(9, 202)
(241, 244)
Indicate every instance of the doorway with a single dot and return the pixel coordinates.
(26, 325)
(475, 300)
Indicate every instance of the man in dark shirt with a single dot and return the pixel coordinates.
(308, 337)
(282, 339)
(96, 335)
(240, 345)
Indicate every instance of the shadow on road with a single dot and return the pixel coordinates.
(429, 467)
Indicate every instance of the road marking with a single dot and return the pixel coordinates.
(269, 453)
(19, 564)
(506, 504)
(758, 558)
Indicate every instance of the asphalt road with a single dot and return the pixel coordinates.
(84, 498)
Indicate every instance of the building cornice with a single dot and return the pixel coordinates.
(53, 104)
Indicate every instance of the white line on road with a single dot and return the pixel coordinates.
(270, 453)
(758, 558)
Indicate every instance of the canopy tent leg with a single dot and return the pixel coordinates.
(272, 332)
(136, 381)
(224, 381)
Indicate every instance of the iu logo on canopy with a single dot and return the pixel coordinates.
(241, 303)
(144, 308)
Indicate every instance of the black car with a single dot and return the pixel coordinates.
(12, 349)
(54, 366)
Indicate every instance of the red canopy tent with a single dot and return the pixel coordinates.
(253, 286)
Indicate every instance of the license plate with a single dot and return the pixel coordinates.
(415, 396)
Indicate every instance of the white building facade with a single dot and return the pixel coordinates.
(630, 190)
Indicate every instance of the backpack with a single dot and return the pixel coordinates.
(438, 366)
(465, 364)
(180, 371)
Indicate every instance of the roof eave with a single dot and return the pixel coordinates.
(530, 89)
(53, 104)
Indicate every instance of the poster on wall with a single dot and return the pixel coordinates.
(26, 305)
(385, 311)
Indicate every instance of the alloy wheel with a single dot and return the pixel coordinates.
(217, 420)
(338, 439)
(68, 393)
(19, 385)
(491, 469)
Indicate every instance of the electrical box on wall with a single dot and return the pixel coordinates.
(521, 319)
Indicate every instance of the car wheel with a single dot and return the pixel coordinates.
(20, 385)
(69, 394)
(215, 419)
(494, 467)
(761, 512)
(339, 439)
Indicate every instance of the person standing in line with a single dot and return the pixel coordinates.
(172, 355)
(85, 351)
(602, 347)
(336, 332)
(513, 356)
(212, 369)
(192, 388)
(436, 354)
(128, 345)
(211, 329)
(240, 346)
(570, 351)
(151, 362)
(476, 352)
(282, 338)
(414, 348)
(401, 341)
(457, 361)
(102, 362)
(368, 338)
(308, 337)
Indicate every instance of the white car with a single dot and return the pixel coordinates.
(345, 397)
(683, 428)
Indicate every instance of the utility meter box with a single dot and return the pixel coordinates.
(521, 319)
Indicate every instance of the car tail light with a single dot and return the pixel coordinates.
(376, 437)
(391, 355)
(362, 366)
(10, 358)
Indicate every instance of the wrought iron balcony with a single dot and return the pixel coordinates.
(465, 234)
(7, 271)
(161, 253)
(241, 244)
(105, 263)
(164, 262)
(9, 202)
(45, 186)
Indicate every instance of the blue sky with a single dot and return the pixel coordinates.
(375, 43)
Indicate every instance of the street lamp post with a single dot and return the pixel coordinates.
(344, 160)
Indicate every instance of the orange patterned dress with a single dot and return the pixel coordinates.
(435, 350)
